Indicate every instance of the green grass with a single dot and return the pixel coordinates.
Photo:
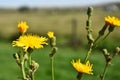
(63, 68)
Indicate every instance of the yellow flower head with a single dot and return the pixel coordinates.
(22, 27)
(82, 68)
(113, 21)
(30, 41)
(50, 34)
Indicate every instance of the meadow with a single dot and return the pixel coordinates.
(41, 22)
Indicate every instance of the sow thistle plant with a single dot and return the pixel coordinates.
(27, 43)
(85, 67)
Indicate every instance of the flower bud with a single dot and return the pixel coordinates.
(16, 56)
(111, 28)
(89, 11)
(88, 23)
(90, 38)
(54, 50)
(34, 66)
(102, 31)
(107, 56)
(118, 50)
(53, 41)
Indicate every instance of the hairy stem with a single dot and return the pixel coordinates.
(106, 36)
(79, 76)
(52, 67)
(104, 72)
(23, 70)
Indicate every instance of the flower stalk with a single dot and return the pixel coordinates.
(89, 37)
(101, 33)
(108, 62)
(52, 60)
(52, 67)
(23, 70)
(102, 76)
(89, 33)
(52, 42)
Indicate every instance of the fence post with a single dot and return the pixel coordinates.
(74, 41)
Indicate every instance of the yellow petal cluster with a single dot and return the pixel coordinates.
(30, 41)
(22, 27)
(82, 68)
(50, 34)
(113, 21)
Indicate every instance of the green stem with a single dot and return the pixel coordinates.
(88, 53)
(79, 76)
(22, 58)
(106, 36)
(52, 67)
(29, 59)
(104, 72)
(29, 64)
(32, 77)
(97, 39)
(23, 70)
(86, 57)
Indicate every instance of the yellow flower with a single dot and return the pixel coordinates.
(22, 27)
(82, 68)
(50, 34)
(30, 41)
(113, 21)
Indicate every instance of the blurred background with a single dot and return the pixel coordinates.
(67, 18)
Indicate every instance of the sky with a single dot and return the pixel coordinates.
(50, 3)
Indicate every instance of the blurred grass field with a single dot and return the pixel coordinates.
(41, 23)
(60, 23)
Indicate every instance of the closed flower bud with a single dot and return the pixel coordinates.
(88, 23)
(118, 50)
(53, 41)
(107, 56)
(34, 66)
(111, 28)
(89, 11)
(16, 56)
(90, 38)
(102, 31)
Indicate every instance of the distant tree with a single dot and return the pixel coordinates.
(24, 9)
